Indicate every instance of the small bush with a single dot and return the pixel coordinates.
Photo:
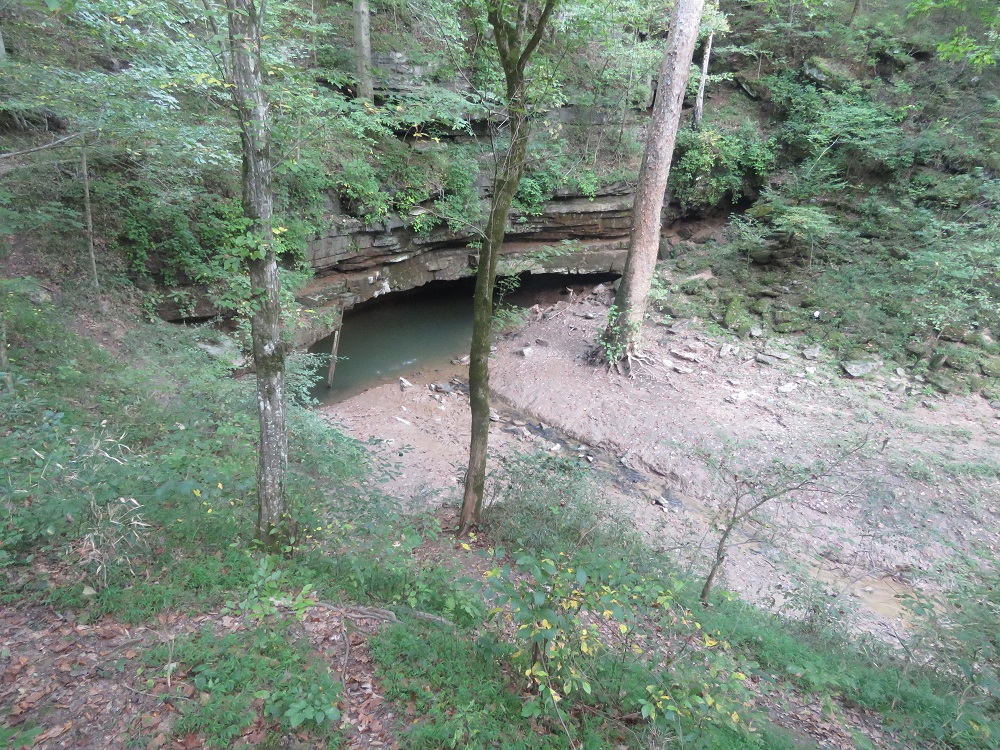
(543, 502)
(713, 165)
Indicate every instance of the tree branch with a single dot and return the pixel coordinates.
(503, 33)
(53, 144)
(536, 38)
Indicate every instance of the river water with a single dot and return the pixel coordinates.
(423, 329)
(388, 339)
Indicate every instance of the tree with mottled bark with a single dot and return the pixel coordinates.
(88, 214)
(622, 336)
(363, 50)
(4, 5)
(242, 65)
(517, 29)
(8, 376)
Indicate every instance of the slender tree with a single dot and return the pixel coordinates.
(855, 10)
(8, 376)
(517, 32)
(699, 102)
(363, 49)
(88, 214)
(241, 60)
(622, 336)
(713, 21)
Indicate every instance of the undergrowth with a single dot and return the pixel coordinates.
(267, 664)
(579, 635)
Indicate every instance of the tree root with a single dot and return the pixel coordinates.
(386, 615)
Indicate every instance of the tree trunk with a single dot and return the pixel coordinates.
(514, 53)
(3, 49)
(621, 338)
(699, 102)
(504, 187)
(8, 376)
(854, 14)
(245, 33)
(88, 215)
(333, 358)
(363, 49)
(720, 558)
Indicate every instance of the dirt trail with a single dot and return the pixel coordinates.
(920, 492)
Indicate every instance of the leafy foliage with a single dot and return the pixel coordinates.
(870, 159)
(457, 689)
(234, 670)
(713, 164)
(977, 43)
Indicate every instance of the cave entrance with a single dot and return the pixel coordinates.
(423, 329)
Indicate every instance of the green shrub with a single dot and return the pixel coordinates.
(859, 133)
(712, 165)
(542, 502)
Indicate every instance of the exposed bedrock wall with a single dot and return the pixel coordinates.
(355, 262)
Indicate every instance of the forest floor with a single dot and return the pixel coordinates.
(88, 686)
(915, 486)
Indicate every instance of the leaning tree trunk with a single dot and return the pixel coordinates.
(621, 338)
(3, 49)
(855, 10)
(245, 34)
(514, 52)
(699, 102)
(363, 49)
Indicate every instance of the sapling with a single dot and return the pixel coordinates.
(748, 491)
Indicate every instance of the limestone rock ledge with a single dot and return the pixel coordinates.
(355, 262)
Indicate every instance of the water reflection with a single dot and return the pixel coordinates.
(381, 342)
(422, 330)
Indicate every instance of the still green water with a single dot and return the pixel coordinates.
(390, 339)
(422, 330)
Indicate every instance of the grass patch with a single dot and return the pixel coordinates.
(139, 465)
(915, 700)
(921, 697)
(454, 691)
(157, 442)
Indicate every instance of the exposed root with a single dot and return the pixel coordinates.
(633, 363)
(376, 613)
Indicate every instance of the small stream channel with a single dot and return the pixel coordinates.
(424, 328)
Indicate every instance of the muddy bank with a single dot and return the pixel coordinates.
(879, 528)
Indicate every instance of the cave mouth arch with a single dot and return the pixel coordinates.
(423, 329)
